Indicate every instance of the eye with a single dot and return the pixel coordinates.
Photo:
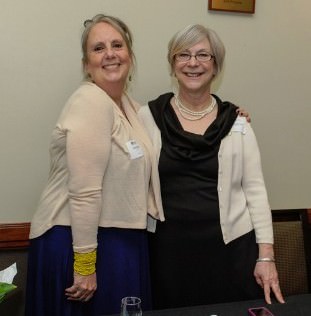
(203, 55)
(117, 45)
(184, 55)
(98, 49)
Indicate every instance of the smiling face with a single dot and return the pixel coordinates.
(195, 76)
(108, 60)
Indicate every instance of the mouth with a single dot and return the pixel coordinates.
(111, 66)
(193, 74)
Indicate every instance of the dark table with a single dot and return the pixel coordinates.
(297, 305)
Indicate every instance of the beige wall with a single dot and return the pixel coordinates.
(267, 71)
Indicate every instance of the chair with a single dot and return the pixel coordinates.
(292, 246)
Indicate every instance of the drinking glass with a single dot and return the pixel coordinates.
(130, 306)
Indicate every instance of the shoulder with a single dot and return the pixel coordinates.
(90, 97)
(243, 133)
(161, 99)
(88, 102)
(126, 99)
(144, 114)
(90, 92)
(224, 105)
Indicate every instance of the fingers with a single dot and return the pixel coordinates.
(80, 296)
(266, 289)
(244, 113)
(87, 298)
(259, 282)
(76, 293)
(83, 288)
(267, 277)
(275, 287)
(277, 292)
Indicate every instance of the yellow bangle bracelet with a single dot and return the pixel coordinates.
(84, 263)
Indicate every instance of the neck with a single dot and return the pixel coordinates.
(115, 92)
(195, 101)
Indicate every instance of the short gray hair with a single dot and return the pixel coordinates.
(191, 35)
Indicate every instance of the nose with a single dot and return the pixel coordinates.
(110, 52)
(193, 60)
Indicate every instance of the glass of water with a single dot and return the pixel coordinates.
(131, 306)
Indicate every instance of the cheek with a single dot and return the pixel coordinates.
(176, 71)
(128, 60)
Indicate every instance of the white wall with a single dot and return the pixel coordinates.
(267, 71)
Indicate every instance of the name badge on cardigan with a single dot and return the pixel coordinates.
(134, 149)
(239, 125)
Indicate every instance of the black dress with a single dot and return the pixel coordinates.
(190, 263)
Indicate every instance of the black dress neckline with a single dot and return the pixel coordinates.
(187, 145)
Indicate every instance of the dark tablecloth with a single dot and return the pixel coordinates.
(297, 305)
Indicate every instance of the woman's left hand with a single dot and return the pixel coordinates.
(83, 287)
(267, 277)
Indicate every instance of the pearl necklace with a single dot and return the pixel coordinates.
(194, 115)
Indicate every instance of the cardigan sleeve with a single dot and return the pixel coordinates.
(255, 189)
(88, 122)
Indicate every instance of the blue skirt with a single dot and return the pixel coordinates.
(122, 269)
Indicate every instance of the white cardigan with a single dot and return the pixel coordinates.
(243, 201)
(97, 175)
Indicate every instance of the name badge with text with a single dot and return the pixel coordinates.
(134, 149)
(239, 125)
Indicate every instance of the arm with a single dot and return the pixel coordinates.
(89, 125)
(89, 133)
(253, 185)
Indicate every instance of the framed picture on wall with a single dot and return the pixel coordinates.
(242, 6)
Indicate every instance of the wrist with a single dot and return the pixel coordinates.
(84, 263)
(265, 251)
(265, 259)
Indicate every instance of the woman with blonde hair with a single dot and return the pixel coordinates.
(88, 239)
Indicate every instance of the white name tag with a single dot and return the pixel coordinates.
(239, 125)
(134, 149)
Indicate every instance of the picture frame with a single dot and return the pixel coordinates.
(240, 6)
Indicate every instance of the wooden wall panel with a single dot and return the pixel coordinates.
(14, 235)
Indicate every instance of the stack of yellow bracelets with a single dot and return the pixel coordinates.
(84, 263)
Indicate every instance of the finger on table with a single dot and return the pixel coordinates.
(267, 292)
(277, 292)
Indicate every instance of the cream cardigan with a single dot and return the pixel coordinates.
(95, 179)
(243, 201)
